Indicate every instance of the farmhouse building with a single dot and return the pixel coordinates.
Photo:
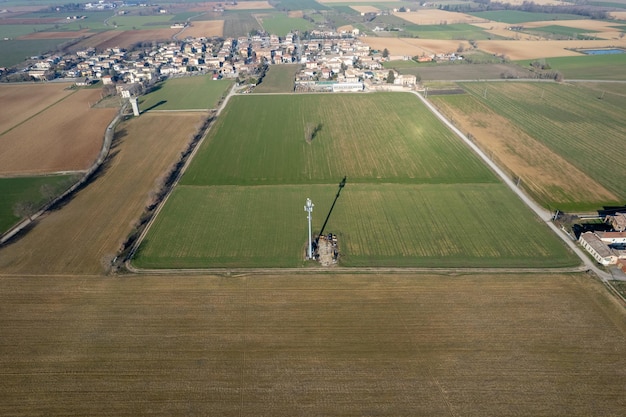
(597, 248)
(617, 221)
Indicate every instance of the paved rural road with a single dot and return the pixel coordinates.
(545, 215)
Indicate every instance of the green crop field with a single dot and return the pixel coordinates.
(13, 52)
(280, 24)
(141, 22)
(573, 121)
(239, 23)
(589, 67)
(416, 196)
(279, 79)
(515, 16)
(452, 31)
(387, 137)
(468, 225)
(26, 189)
(561, 30)
(185, 93)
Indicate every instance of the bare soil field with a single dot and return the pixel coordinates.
(248, 5)
(295, 13)
(365, 9)
(528, 49)
(96, 221)
(332, 345)
(436, 17)
(21, 101)
(64, 137)
(127, 38)
(207, 28)
(414, 46)
(94, 40)
(618, 15)
(542, 170)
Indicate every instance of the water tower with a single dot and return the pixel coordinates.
(133, 103)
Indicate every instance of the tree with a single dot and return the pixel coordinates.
(391, 77)
(23, 209)
(385, 53)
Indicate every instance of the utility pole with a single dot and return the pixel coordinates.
(309, 209)
(341, 185)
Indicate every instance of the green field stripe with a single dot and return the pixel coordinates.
(467, 225)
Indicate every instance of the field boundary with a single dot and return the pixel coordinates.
(353, 270)
(104, 152)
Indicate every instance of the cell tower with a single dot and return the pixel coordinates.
(133, 102)
(308, 207)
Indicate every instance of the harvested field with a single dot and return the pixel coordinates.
(55, 35)
(206, 28)
(437, 17)
(547, 176)
(529, 49)
(249, 5)
(66, 136)
(366, 9)
(618, 15)
(331, 345)
(95, 40)
(128, 38)
(513, 49)
(93, 225)
(21, 101)
(412, 46)
(295, 13)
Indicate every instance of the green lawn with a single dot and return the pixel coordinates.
(185, 93)
(26, 189)
(416, 196)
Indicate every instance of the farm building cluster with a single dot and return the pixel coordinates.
(608, 248)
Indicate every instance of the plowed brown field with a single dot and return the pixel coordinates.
(64, 137)
(97, 220)
(206, 28)
(128, 38)
(437, 17)
(21, 101)
(318, 345)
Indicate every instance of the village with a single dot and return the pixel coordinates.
(331, 61)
